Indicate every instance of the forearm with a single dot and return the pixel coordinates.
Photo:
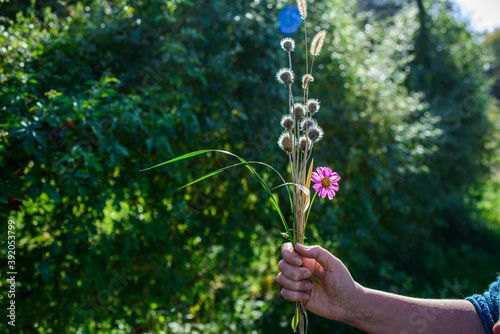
(381, 312)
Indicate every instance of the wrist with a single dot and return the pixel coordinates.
(356, 310)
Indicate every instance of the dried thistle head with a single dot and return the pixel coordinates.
(307, 124)
(302, 5)
(304, 143)
(287, 122)
(285, 142)
(313, 106)
(306, 79)
(315, 134)
(288, 44)
(317, 42)
(298, 111)
(285, 76)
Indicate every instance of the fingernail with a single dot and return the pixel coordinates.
(309, 286)
(307, 296)
(297, 261)
(307, 274)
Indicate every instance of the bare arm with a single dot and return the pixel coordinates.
(381, 312)
(339, 297)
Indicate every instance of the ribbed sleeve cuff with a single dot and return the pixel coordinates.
(483, 311)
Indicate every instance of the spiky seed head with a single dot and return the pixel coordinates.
(285, 142)
(287, 122)
(315, 134)
(302, 5)
(307, 124)
(313, 106)
(298, 111)
(288, 44)
(306, 79)
(317, 43)
(285, 76)
(304, 143)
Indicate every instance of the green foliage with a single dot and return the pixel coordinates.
(92, 93)
(492, 42)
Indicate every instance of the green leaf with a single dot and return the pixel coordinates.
(314, 279)
(295, 320)
(54, 195)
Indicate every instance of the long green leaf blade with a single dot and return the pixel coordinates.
(186, 156)
(211, 174)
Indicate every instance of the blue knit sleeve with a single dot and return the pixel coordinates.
(487, 305)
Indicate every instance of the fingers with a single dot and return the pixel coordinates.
(299, 286)
(295, 296)
(293, 272)
(325, 258)
(293, 277)
(289, 255)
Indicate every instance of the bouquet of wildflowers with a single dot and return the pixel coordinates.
(300, 133)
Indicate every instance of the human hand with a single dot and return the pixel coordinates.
(336, 295)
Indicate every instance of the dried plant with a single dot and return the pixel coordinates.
(302, 5)
(317, 43)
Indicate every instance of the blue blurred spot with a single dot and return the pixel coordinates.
(289, 19)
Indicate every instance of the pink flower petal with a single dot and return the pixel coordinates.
(334, 177)
(327, 171)
(316, 178)
(320, 172)
(331, 194)
(317, 187)
(335, 186)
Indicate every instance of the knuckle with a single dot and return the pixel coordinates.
(285, 247)
(316, 247)
(279, 278)
(296, 275)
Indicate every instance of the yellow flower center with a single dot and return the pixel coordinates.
(325, 182)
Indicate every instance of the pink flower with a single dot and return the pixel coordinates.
(326, 182)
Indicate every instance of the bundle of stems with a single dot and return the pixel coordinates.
(300, 134)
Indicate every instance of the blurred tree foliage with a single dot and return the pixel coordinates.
(91, 93)
(492, 41)
(490, 203)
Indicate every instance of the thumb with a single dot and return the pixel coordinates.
(321, 255)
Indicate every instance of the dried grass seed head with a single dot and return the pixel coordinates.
(298, 111)
(315, 134)
(313, 106)
(285, 76)
(302, 5)
(317, 43)
(287, 122)
(304, 143)
(285, 142)
(306, 80)
(288, 44)
(308, 123)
